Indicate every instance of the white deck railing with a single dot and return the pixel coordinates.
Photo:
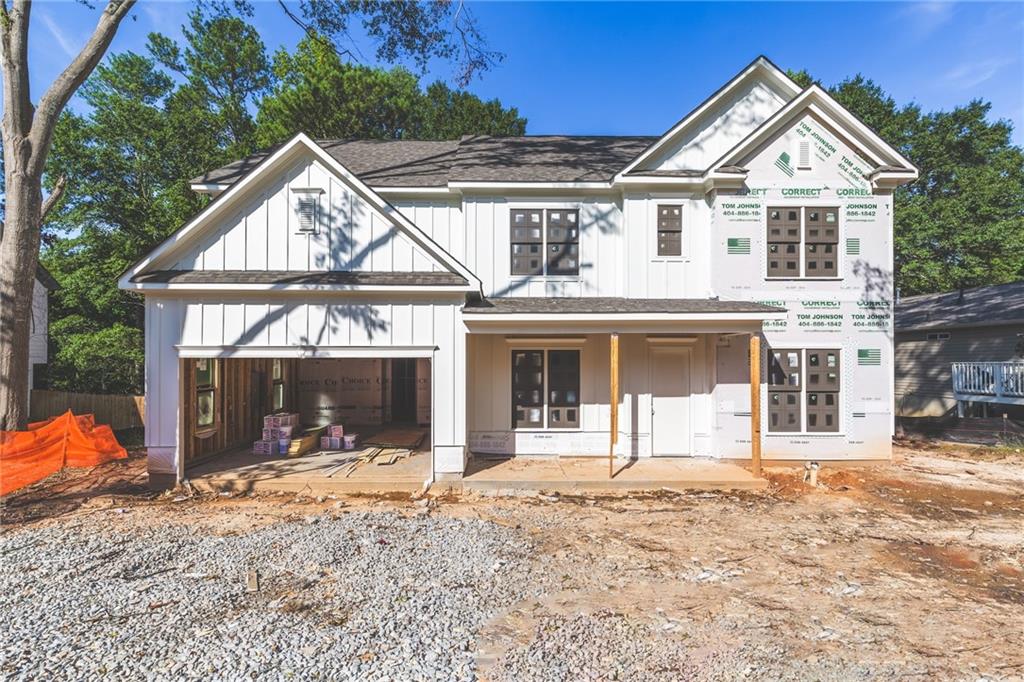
(989, 381)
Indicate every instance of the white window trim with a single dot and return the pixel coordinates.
(840, 245)
(544, 206)
(803, 347)
(544, 346)
(651, 225)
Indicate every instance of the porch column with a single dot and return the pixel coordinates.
(755, 404)
(614, 402)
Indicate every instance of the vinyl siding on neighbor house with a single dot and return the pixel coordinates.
(924, 375)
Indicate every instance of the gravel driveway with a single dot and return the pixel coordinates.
(370, 596)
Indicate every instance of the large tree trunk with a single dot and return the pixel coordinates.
(27, 135)
(19, 254)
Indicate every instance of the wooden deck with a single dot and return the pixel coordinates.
(316, 474)
(568, 474)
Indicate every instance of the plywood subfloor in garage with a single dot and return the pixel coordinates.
(241, 471)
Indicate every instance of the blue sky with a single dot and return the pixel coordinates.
(632, 68)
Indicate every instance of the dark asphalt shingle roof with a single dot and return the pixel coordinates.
(310, 277)
(390, 163)
(416, 163)
(608, 305)
(977, 307)
(544, 158)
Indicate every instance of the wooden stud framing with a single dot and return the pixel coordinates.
(614, 398)
(755, 404)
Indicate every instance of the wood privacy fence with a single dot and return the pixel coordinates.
(117, 411)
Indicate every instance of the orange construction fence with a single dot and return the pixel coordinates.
(49, 446)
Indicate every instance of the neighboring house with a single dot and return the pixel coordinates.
(39, 337)
(504, 266)
(965, 346)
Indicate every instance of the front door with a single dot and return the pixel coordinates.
(670, 401)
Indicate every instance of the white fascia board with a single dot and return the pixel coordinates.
(759, 64)
(305, 351)
(659, 180)
(499, 318)
(208, 187)
(297, 288)
(414, 191)
(466, 185)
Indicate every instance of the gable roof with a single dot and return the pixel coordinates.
(814, 98)
(284, 154)
(761, 66)
(45, 278)
(977, 307)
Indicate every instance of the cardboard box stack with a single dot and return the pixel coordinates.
(333, 439)
(350, 441)
(277, 434)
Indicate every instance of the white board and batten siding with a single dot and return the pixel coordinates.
(264, 233)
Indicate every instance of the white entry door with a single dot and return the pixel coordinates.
(670, 401)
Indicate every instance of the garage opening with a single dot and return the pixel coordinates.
(292, 421)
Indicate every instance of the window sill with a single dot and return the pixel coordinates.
(670, 259)
(546, 278)
(547, 430)
(805, 434)
(206, 432)
(803, 279)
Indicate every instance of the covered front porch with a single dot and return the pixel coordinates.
(624, 380)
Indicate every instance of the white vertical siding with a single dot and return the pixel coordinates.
(350, 234)
(252, 323)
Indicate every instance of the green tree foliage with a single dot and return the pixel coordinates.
(155, 121)
(961, 223)
(318, 93)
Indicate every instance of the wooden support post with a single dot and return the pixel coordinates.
(614, 398)
(755, 405)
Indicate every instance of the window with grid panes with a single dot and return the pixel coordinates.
(563, 241)
(821, 241)
(670, 230)
(546, 383)
(206, 393)
(563, 389)
(528, 389)
(783, 242)
(527, 240)
(784, 389)
(823, 383)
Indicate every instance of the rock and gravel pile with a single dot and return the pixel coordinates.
(368, 596)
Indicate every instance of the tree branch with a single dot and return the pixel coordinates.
(313, 33)
(14, 55)
(60, 91)
(51, 201)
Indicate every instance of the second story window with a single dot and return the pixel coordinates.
(803, 241)
(670, 230)
(544, 241)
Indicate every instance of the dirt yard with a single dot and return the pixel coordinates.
(913, 571)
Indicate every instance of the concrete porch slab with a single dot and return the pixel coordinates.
(567, 474)
(317, 474)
